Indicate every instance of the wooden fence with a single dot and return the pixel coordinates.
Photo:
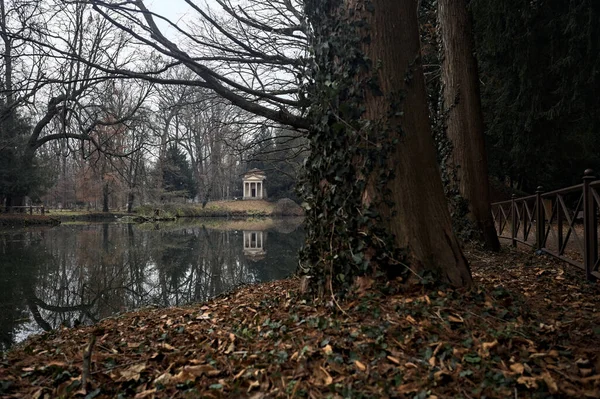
(562, 223)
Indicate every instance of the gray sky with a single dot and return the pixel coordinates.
(176, 9)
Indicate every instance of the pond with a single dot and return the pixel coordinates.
(74, 274)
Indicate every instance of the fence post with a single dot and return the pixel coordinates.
(43, 210)
(513, 221)
(540, 225)
(590, 226)
(559, 223)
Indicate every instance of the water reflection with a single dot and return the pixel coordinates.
(82, 273)
(254, 246)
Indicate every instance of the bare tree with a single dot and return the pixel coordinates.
(59, 94)
(255, 58)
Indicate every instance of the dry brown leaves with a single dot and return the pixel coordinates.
(529, 331)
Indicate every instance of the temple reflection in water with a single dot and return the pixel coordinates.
(254, 245)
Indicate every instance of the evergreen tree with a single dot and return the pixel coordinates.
(178, 177)
(539, 62)
(18, 177)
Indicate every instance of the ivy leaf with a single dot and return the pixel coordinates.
(472, 358)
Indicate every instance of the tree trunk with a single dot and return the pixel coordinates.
(105, 197)
(463, 116)
(420, 219)
(403, 191)
(8, 57)
(130, 199)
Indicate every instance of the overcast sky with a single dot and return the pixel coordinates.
(176, 9)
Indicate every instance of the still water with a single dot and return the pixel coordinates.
(74, 274)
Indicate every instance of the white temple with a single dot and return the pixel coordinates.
(254, 185)
(254, 245)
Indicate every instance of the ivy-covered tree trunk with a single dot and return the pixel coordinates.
(467, 162)
(373, 189)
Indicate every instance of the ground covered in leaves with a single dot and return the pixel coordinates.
(530, 330)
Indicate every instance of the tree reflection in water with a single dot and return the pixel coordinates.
(83, 273)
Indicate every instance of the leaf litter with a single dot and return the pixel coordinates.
(530, 330)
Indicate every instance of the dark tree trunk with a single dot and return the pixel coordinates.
(105, 197)
(130, 199)
(420, 219)
(411, 205)
(464, 119)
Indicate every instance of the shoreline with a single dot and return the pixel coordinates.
(8, 221)
(157, 213)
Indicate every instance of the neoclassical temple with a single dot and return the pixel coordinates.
(254, 185)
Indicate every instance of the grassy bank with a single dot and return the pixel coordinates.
(24, 220)
(86, 216)
(286, 224)
(238, 209)
(529, 331)
(160, 212)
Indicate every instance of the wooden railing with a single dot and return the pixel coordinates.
(550, 222)
(30, 209)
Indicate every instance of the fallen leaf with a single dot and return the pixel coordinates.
(529, 382)
(517, 368)
(407, 388)
(253, 384)
(455, 319)
(489, 345)
(586, 372)
(133, 372)
(145, 393)
(360, 365)
(163, 379)
(204, 369)
(550, 382)
(393, 360)
(322, 377)
(167, 346)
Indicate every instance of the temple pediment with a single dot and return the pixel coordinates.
(254, 178)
